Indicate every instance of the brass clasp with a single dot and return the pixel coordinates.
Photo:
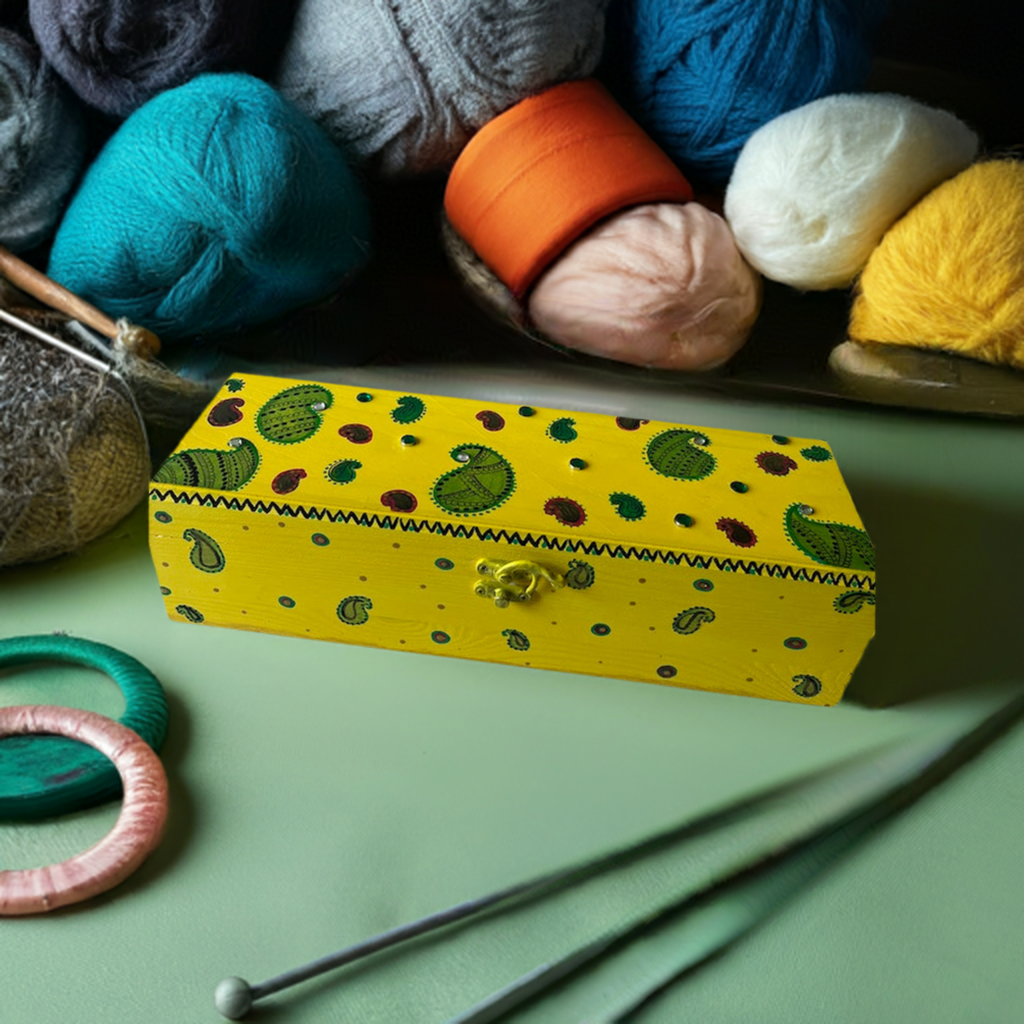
(506, 582)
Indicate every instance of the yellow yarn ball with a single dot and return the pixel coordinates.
(950, 274)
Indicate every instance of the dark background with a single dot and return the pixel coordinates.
(977, 46)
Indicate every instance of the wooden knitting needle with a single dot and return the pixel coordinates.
(141, 342)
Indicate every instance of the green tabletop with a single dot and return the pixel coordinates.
(322, 793)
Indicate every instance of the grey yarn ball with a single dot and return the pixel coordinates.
(117, 54)
(406, 83)
(42, 144)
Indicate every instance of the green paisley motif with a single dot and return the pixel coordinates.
(206, 554)
(212, 468)
(516, 640)
(354, 610)
(409, 409)
(234, 384)
(852, 601)
(190, 613)
(816, 453)
(563, 430)
(481, 483)
(343, 471)
(846, 547)
(680, 454)
(691, 619)
(806, 686)
(293, 415)
(628, 506)
(580, 575)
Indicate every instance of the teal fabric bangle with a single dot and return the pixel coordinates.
(42, 776)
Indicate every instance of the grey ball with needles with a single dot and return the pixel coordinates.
(74, 458)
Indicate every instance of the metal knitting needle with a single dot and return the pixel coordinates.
(36, 332)
(704, 923)
(234, 996)
(748, 900)
(97, 364)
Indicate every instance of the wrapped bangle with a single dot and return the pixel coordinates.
(135, 834)
(41, 776)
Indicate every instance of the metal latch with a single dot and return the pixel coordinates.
(517, 581)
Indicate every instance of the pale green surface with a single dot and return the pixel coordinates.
(322, 793)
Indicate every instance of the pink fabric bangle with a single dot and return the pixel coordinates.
(135, 834)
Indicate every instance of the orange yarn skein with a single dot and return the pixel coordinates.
(534, 179)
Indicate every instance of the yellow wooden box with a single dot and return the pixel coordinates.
(576, 541)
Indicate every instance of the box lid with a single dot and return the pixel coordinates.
(533, 475)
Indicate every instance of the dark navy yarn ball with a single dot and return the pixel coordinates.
(703, 75)
(117, 54)
(216, 206)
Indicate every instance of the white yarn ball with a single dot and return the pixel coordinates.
(814, 190)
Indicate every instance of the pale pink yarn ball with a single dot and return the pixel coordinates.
(660, 285)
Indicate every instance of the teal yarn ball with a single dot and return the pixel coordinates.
(216, 206)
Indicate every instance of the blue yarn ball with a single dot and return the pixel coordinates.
(216, 206)
(703, 75)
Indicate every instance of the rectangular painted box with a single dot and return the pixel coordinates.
(582, 542)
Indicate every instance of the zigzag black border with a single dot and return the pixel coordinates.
(465, 531)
